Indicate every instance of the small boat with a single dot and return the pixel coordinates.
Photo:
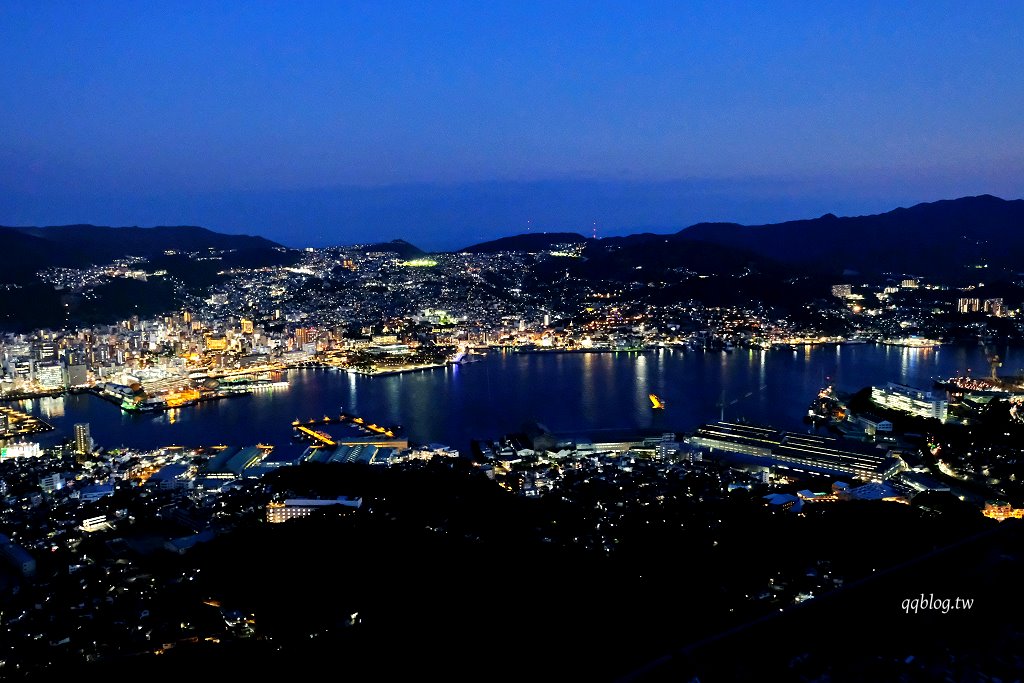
(656, 403)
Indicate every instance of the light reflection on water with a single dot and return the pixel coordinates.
(51, 407)
(642, 376)
(567, 392)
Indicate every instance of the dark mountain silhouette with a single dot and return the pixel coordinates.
(665, 269)
(644, 256)
(33, 303)
(24, 254)
(401, 247)
(28, 250)
(945, 238)
(533, 241)
(103, 243)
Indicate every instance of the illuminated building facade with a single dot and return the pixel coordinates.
(20, 450)
(842, 291)
(968, 305)
(910, 400)
(303, 336)
(297, 508)
(996, 509)
(216, 342)
(83, 439)
(51, 482)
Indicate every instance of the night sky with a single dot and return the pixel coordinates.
(448, 123)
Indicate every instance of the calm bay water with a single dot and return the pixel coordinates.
(569, 393)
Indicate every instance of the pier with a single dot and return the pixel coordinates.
(370, 433)
(317, 436)
(18, 423)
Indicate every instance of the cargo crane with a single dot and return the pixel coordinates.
(994, 363)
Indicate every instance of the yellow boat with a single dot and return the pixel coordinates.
(656, 402)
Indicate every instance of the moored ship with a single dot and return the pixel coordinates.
(913, 342)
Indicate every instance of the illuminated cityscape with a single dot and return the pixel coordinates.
(370, 313)
(522, 342)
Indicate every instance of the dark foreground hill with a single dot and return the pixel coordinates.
(445, 575)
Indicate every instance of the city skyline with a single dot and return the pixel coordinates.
(310, 360)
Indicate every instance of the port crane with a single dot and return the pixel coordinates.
(994, 362)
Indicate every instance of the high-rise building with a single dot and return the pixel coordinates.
(75, 375)
(46, 351)
(994, 307)
(246, 326)
(83, 439)
(50, 375)
(303, 336)
(842, 291)
(967, 305)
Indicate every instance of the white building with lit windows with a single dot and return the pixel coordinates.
(297, 508)
(911, 400)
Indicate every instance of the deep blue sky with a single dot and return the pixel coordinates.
(446, 123)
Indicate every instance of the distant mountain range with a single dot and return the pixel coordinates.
(28, 250)
(947, 238)
(943, 239)
(531, 241)
(938, 238)
(399, 247)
